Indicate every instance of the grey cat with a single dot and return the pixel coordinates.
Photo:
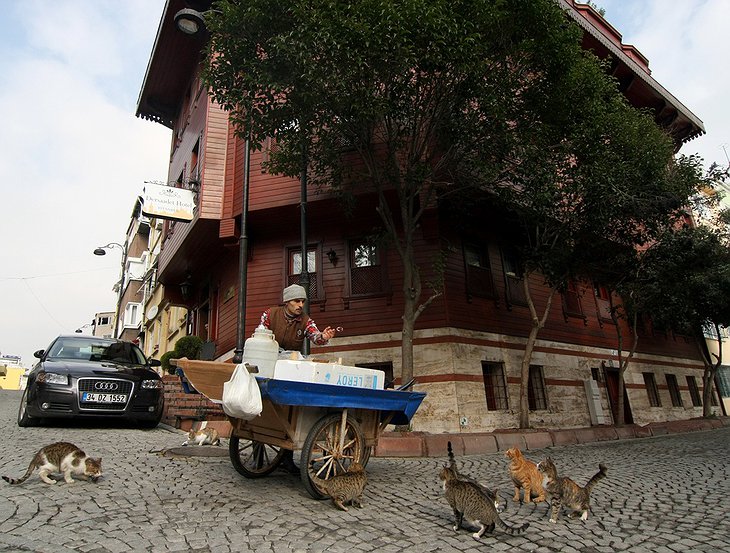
(344, 488)
(61, 457)
(468, 501)
(492, 495)
(566, 493)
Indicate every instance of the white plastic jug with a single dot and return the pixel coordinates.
(262, 350)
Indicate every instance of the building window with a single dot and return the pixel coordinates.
(694, 391)
(603, 302)
(478, 272)
(131, 315)
(386, 367)
(295, 270)
(571, 300)
(513, 277)
(651, 390)
(674, 390)
(366, 268)
(536, 398)
(495, 386)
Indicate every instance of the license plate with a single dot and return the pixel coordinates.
(91, 397)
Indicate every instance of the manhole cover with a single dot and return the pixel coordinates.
(196, 451)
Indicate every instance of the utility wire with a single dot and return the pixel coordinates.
(32, 293)
(59, 274)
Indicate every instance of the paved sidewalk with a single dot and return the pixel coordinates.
(663, 494)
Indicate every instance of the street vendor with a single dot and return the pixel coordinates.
(291, 325)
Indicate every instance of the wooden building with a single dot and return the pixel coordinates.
(469, 342)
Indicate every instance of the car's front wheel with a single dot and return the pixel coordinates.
(24, 419)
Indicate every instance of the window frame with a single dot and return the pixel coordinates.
(673, 386)
(536, 389)
(482, 272)
(315, 250)
(496, 393)
(513, 277)
(694, 391)
(381, 271)
(652, 390)
(575, 311)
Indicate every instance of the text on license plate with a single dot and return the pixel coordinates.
(103, 398)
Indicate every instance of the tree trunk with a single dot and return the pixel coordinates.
(708, 376)
(537, 324)
(623, 365)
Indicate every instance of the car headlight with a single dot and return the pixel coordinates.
(151, 384)
(53, 378)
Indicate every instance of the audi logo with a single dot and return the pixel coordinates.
(106, 386)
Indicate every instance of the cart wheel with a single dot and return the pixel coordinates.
(329, 451)
(254, 459)
(366, 456)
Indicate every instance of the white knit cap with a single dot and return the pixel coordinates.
(294, 292)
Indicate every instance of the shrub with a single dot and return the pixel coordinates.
(188, 346)
(165, 360)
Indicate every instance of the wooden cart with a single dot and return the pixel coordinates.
(332, 426)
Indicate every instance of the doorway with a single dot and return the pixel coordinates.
(611, 375)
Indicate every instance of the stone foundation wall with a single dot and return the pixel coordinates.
(448, 367)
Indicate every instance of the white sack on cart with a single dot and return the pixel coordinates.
(241, 395)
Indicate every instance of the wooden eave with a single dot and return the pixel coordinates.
(635, 79)
(174, 58)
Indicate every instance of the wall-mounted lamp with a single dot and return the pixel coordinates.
(186, 287)
(332, 256)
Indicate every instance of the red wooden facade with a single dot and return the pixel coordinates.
(480, 314)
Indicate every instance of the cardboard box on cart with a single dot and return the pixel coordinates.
(329, 373)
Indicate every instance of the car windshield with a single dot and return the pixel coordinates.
(90, 349)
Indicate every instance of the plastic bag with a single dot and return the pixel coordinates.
(241, 395)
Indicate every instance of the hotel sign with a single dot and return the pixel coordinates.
(167, 202)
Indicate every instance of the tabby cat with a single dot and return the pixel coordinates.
(525, 475)
(468, 501)
(492, 495)
(566, 493)
(344, 488)
(61, 457)
(203, 436)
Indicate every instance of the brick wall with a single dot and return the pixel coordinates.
(182, 410)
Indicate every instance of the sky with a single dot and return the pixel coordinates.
(73, 156)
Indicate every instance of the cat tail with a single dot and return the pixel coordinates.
(596, 477)
(316, 480)
(33, 464)
(511, 529)
(452, 460)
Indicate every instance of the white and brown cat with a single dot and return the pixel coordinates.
(61, 457)
(204, 436)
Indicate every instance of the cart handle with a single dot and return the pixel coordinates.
(407, 385)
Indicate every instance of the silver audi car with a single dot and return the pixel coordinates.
(85, 376)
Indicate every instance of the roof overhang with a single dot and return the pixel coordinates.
(645, 91)
(174, 58)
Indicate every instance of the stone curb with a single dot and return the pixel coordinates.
(420, 444)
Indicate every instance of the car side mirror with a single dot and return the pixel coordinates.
(38, 354)
(154, 362)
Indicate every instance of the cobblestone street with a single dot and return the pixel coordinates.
(662, 494)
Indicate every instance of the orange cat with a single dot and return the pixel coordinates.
(525, 475)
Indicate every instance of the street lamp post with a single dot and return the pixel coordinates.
(101, 250)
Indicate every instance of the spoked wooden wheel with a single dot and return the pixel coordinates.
(254, 459)
(332, 445)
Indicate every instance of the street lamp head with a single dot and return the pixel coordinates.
(189, 21)
(101, 250)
